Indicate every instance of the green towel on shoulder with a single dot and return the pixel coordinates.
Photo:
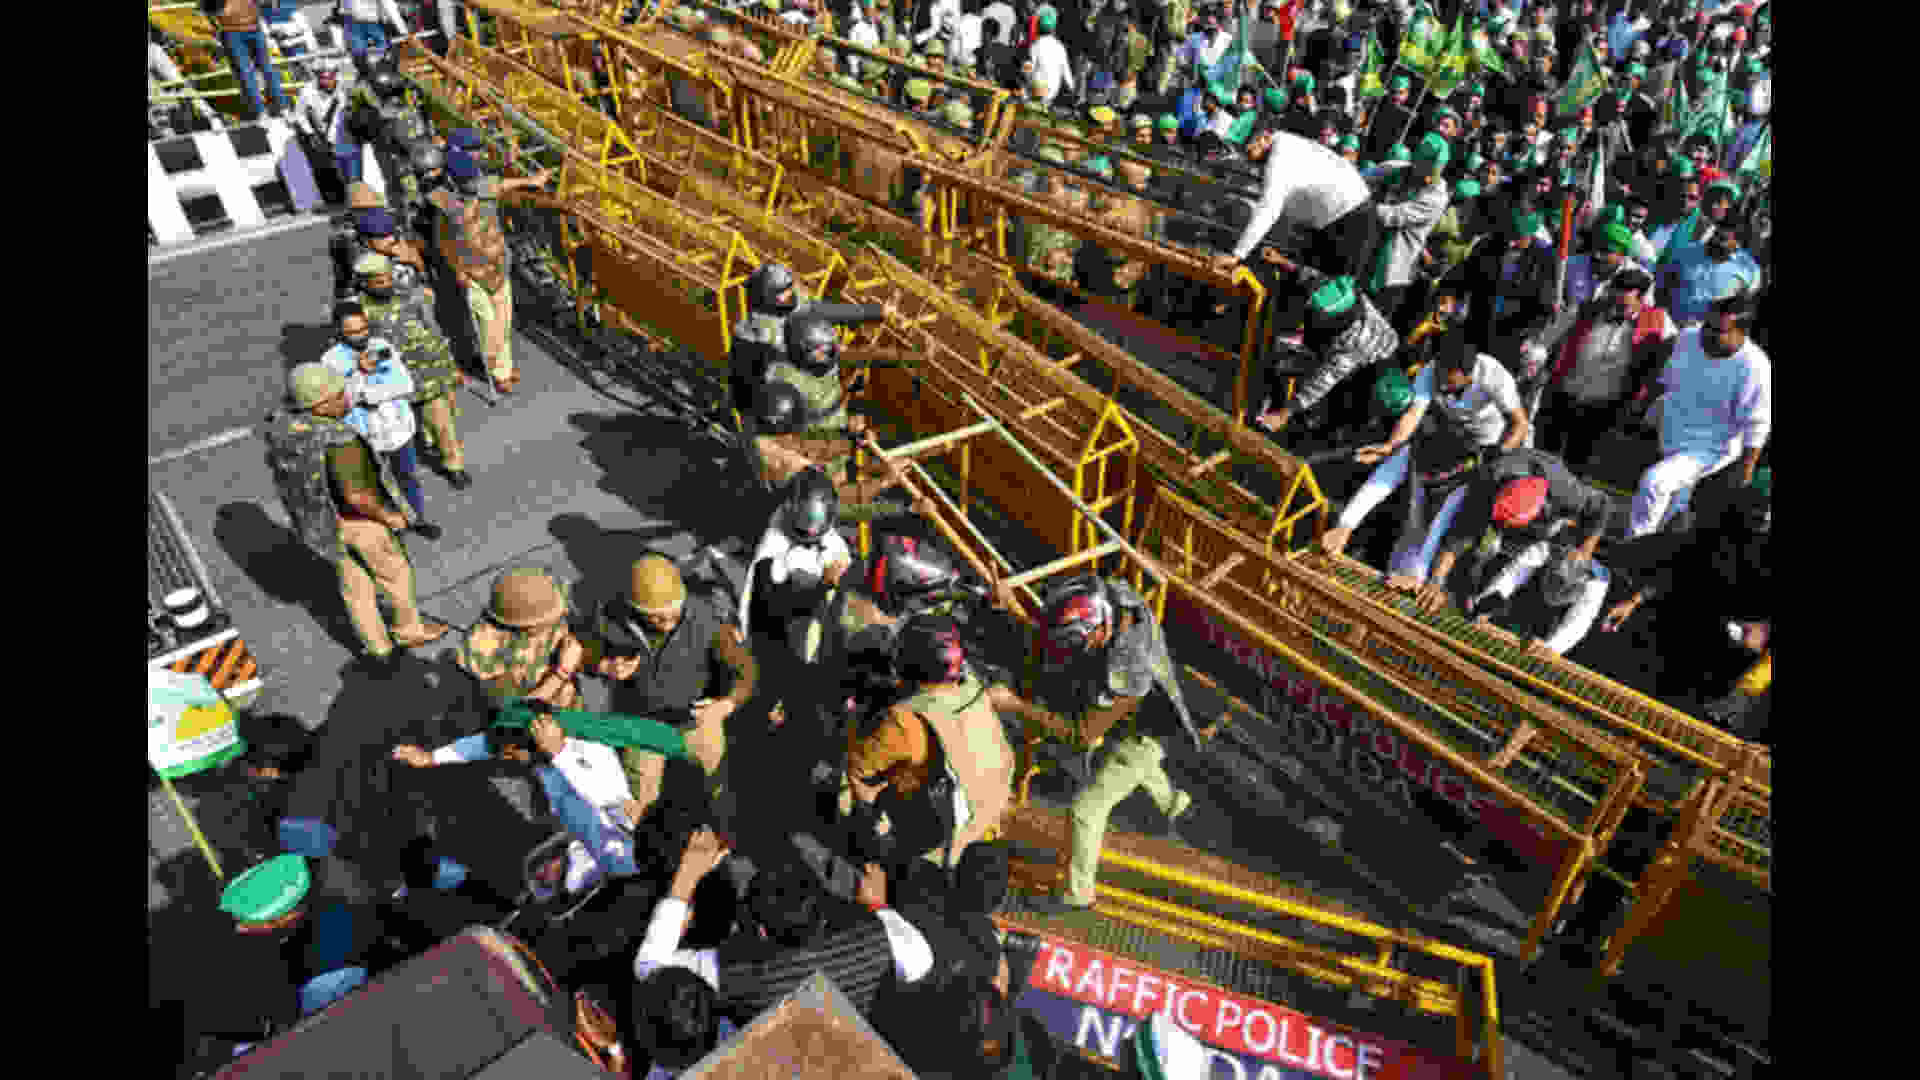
(617, 730)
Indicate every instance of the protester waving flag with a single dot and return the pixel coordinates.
(1759, 159)
(1450, 62)
(1585, 83)
(1480, 46)
(1369, 85)
(1712, 116)
(1224, 75)
(1420, 47)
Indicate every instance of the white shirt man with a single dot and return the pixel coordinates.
(937, 19)
(1306, 184)
(589, 791)
(864, 34)
(1716, 409)
(323, 113)
(785, 556)
(1051, 66)
(1485, 408)
(965, 41)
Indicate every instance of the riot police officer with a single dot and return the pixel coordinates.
(774, 298)
(1102, 654)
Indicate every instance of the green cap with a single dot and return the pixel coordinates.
(919, 89)
(1567, 134)
(372, 263)
(1763, 480)
(1474, 89)
(1275, 99)
(1683, 167)
(1334, 297)
(1445, 111)
(1046, 17)
(1393, 392)
(1432, 149)
(1052, 153)
(1615, 239)
(1474, 160)
(312, 383)
(1732, 189)
(1349, 142)
(1400, 82)
(1168, 122)
(958, 113)
(1304, 79)
(1527, 224)
(1467, 189)
(267, 891)
(1398, 152)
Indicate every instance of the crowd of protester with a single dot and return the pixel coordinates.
(1411, 247)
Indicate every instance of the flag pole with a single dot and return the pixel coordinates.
(1412, 114)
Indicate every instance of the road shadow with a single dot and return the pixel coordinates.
(275, 560)
(659, 467)
(302, 343)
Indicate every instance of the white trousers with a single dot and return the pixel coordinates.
(1667, 487)
(1579, 616)
(1383, 481)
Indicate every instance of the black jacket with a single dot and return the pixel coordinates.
(1567, 497)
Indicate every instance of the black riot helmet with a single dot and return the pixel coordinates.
(806, 335)
(909, 573)
(778, 409)
(387, 82)
(766, 284)
(928, 649)
(812, 506)
(426, 157)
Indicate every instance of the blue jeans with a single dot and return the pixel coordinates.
(245, 49)
(363, 36)
(405, 462)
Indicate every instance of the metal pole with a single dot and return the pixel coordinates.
(193, 827)
(1060, 486)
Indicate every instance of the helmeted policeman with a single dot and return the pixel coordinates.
(1101, 656)
(774, 298)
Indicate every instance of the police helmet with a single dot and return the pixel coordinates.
(812, 506)
(928, 649)
(426, 157)
(766, 284)
(386, 82)
(1074, 616)
(909, 572)
(804, 336)
(778, 408)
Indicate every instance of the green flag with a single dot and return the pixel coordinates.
(1421, 46)
(190, 727)
(1711, 116)
(1370, 85)
(1225, 73)
(1585, 83)
(1759, 159)
(1450, 62)
(1485, 56)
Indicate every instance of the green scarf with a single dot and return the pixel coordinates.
(617, 730)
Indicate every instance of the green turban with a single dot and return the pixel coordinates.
(1400, 82)
(1303, 79)
(1398, 152)
(1349, 142)
(267, 891)
(1528, 223)
(1393, 392)
(1432, 150)
(1467, 189)
(1275, 99)
(1168, 122)
(1683, 168)
(1334, 297)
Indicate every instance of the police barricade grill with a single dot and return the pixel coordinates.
(237, 178)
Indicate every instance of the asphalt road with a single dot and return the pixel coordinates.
(566, 476)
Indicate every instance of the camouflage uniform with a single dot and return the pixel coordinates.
(406, 320)
(366, 555)
(825, 398)
(518, 658)
(402, 123)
